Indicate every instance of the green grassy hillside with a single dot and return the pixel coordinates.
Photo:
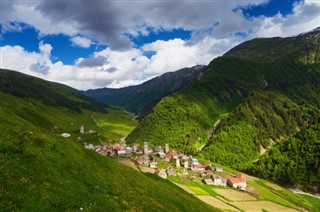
(42, 171)
(265, 91)
(51, 94)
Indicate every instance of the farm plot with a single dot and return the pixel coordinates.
(262, 205)
(233, 195)
(186, 188)
(198, 191)
(274, 186)
(216, 203)
(147, 169)
(129, 163)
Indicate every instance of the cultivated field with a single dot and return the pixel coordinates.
(216, 203)
(186, 188)
(147, 169)
(129, 163)
(274, 186)
(198, 191)
(233, 195)
(259, 205)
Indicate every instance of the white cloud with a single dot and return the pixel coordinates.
(81, 42)
(27, 12)
(114, 68)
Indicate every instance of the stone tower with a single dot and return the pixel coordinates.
(135, 147)
(178, 163)
(122, 144)
(186, 164)
(145, 148)
(81, 129)
(166, 148)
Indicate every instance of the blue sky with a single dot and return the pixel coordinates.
(116, 44)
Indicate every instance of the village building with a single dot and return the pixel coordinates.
(184, 157)
(167, 158)
(194, 161)
(219, 181)
(154, 164)
(197, 167)
(135, 147)
(158, 149)
(88, 146)
(145, 148)
(139, 151)
(218, 169)
(121, 152)
(161, 154)
(161, 173)
(122, 145)
(186, 164)
(166, 148)
(129, 149)
(203, 174)
(208, 181)
(150, 151)
(241, 176)
(144, 161)
(177, 162)
(117, 148)
(128, 154)
(238, 182)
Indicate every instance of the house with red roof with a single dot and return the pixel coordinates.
(197, 167)
(162, 173)
(238, 182)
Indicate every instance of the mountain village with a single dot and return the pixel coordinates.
(165, 162)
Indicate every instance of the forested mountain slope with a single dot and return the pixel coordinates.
(140, 99)
(265, 91)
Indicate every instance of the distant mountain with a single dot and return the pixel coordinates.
(42, 171)
(140, 99)
(260, 93)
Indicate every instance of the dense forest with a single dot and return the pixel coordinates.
(293, 162)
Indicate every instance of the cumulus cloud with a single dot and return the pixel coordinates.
(214, 25)
(108, 22)
(93, 61)
(81, 42)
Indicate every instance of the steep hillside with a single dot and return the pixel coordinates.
(265, 91)
(295, 161)
(140, 99)
(42, 171)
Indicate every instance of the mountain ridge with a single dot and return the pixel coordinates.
(140, 99)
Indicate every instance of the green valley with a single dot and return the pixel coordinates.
(40, 170)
